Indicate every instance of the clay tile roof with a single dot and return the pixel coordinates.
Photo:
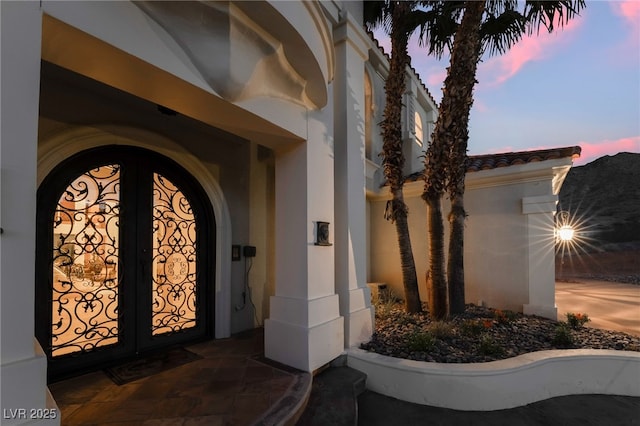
(477, 163)
(492, 161)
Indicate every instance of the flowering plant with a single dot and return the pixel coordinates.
(577, 320)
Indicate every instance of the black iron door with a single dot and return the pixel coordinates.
(123, 260)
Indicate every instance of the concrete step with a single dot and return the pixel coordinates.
(334, 397)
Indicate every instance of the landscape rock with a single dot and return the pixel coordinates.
(497, 335)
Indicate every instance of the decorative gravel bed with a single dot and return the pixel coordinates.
(482, 334)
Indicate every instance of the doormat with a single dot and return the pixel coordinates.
(154, 364)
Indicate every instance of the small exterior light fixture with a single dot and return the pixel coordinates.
(565, 233)
(322, 234)
(564, 230)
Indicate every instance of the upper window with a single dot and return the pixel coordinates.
(368, 115)
(418, 128)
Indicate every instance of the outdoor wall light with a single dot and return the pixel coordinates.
(322, 234)
(565, 233)
(564, 230)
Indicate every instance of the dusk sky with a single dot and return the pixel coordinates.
(577, 86)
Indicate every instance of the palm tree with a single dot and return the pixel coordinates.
(436, 168)
(494, 26)
(401, 18)
(456, 103)
(395, 16)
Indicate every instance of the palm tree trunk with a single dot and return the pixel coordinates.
(438, 284)
(455, 108)
(435, 174)
(393, 158)
(409, 275)
(455, 264)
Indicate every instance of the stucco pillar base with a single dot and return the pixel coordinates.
(24, 385)
(305, 334)
(550, 312)
(305, 348)
(358, 327)
(358, 314)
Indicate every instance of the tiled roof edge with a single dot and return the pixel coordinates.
(377, 43)
(478, 163)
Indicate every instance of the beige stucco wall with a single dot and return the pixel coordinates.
(509, 237)
(384, 262)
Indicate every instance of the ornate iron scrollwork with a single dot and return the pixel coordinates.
(85, 263)
(174, 259)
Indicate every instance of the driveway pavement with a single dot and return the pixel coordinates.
(611, 306)
(573, 410)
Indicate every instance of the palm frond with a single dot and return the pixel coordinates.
(499, 33)
(438, 22)
(497, 7)
(550, 13)
(376, 13)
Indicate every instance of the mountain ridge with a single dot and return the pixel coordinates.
(603, 199)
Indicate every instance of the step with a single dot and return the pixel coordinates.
(334, 397)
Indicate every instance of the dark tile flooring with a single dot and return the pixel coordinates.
(231, 385)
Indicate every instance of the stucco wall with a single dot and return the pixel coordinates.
(495, 246)
(508, 245)
(384, 262)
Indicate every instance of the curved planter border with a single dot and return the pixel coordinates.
(501, 384)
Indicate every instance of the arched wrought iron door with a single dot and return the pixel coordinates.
(124, 264)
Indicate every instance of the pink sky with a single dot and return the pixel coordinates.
(630, 12)
(498, 69)
(599, 110)
(593, 150)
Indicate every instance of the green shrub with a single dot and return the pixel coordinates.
(488, 346)
(441, 329)
(420, 341)
(562, 336)
(386, 303)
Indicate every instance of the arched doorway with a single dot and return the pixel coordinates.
(124, 258)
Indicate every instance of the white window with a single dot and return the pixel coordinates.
(418, 128)
(368, 116)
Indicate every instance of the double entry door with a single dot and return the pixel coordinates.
(123, 260)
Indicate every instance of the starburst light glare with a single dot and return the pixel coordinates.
(566, 233)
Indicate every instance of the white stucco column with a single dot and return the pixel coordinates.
(23, 364)
(305, 329)
(350, 181)
(540, 255)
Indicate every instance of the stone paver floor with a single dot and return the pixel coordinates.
(230, 385)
